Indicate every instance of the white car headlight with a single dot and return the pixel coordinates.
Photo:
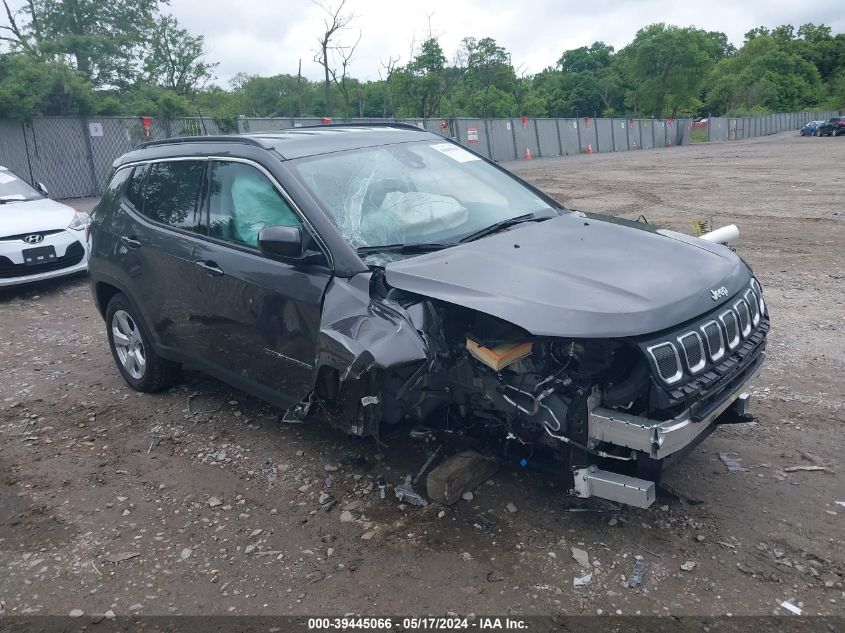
(80, 221)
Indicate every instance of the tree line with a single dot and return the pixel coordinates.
(98, 57)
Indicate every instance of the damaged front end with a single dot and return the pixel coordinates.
(606, 414)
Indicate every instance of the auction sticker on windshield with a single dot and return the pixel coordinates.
(454, 152)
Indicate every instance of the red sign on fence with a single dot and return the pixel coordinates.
(472, 135)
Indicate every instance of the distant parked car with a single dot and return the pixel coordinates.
(832, 127)
(811, 129)
(39, 238)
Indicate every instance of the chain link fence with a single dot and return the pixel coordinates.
(72, 156)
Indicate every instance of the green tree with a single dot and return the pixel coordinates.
(766, 74)
(489, 77)
(176, 58)
(665, 68)
(102, 39)
(30, 87)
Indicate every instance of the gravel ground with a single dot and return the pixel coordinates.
(196, 501)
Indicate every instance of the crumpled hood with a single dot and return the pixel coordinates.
(579, 275)
(32, 216)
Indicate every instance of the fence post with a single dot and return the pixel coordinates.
(89, 152)
(537, 136)
(612, 136)
(596, 130)
(28, 159)
(489, 138)
(628, 134)
(653, 138)
(559, 141)
(513, 135)
(640, 126)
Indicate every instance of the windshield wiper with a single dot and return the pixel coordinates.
(499, 226)
(405, 249)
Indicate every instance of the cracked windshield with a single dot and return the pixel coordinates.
(414, 194)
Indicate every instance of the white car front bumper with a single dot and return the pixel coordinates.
(71, 257)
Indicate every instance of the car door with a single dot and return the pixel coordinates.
(259, 317)
(161, 214)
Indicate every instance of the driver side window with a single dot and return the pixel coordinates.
(243, 201)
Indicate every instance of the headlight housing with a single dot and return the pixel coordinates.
(80, 221)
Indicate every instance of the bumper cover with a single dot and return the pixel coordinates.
(658, 439)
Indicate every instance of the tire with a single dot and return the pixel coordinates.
(816, 133)
(139, 364)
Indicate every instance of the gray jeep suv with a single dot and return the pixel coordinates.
(372, 276)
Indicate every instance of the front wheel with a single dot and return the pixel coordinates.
(139, 364)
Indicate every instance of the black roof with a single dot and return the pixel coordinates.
(309, 141)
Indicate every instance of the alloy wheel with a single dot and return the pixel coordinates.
(128, 344)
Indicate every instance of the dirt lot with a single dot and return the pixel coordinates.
(196, 501)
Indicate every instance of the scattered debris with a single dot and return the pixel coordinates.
(840, 503)
(511, 507)
(197, 394)
(688, 566)
(366, 536)
(214, 502)
(648, 551)
(406, 492)
(459, 474)
(427, 464)
(637, 574)
(589, 504)
(466, 556)
(76, 613)
(119, 558)
(732, 463)
(792, 469)
(485, 524)
(314, 576)
(467, 496)
(790, 607)
(727, 545)
(581, 557)
(582, 581)
(186, 553)
(492, 576)
(346, 517)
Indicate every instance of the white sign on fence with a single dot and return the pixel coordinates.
(95, 129)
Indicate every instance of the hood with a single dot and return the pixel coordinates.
(579, 275)
(32, 216)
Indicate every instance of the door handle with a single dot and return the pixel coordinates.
(130, 242)
(211, 268)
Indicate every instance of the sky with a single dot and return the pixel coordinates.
(268, 37)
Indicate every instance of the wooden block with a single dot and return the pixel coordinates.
(457, 475)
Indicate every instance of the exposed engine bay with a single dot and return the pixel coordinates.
(599, 412)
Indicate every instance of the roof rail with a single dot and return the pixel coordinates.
(233, 138)
(397, 124)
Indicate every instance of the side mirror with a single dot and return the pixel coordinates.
(281, 241)
(40, 188)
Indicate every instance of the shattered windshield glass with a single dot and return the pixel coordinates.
(412, 193)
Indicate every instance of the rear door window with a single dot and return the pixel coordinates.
(242, 202)
(172, 193)
(135, 187)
